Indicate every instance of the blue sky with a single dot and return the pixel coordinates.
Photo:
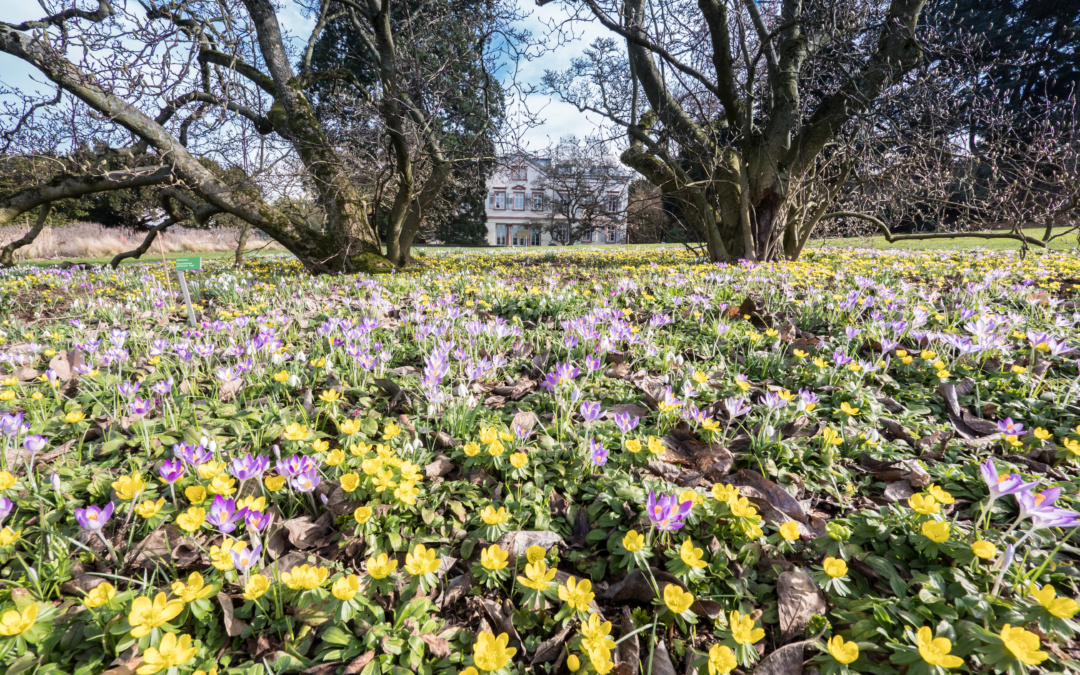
(560, 119)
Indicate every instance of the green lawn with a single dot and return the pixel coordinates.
(1068, 242)
(1065, 243)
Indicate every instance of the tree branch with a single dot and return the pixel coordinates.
(7, 254)
(893, 238)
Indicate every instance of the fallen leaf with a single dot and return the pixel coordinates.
(233, 626)
(439, 647)
(661, 662)
(517, 542)
(799, 599)
(550, 649)
(357, 664)
(440, 466)
(303, 533)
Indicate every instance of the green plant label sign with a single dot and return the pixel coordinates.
(194, 263)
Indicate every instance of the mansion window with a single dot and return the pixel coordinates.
(534, 240)
(519, 173)
(499, 200)
(538, 201)
(587, 237)
(610, 234)
(500, 235)
(519, 201)
(613, 203)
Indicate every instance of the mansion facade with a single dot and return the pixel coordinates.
(519, 207)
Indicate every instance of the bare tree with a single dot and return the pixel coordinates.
(225, 70)
(728, 105)
(586, 191)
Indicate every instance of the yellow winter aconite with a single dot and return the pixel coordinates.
(984, 549)
(676, 599)
(147, 614)
(492, 517)
(691, 556)
(535, 553)
(1062, 608)
(935, 651)
(537, 576)
(844, 652)
(633, 542)
(149, 508)
(490, 652)
(924, 504)
(1023, 644)
(576, 594)
(346, 587)
(834, 567)
(742, 629)
(129, 487)
(790, 531)
(596, 634)
(13, 622)
(296, 432)
(362, 514)
(100, 595)
(193, 589)
(422, 560)
(381, 566)
(936, 531)
(9, 536)
(493, 558)
(192, 519)
(256, 587)
(169, 653)
(305, 577)
(721, 660)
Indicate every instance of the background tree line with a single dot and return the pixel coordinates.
(752, 125)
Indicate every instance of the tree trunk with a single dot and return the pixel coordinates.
(7, 254)
(241, 242)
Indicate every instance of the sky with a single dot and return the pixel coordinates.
(560, 119)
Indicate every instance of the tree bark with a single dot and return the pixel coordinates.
(241, 242)
(348, 242)
(7, 254)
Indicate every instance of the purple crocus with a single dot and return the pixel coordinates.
(245, 557)
(35, 444)
(6, 507)
(295, 465)
(306, 481)
(773, 400)
(93, 518)
(223, 514)
(666, 512)
(1040, 508)
(193, 456)
(171, 470)
(598, 452)
(626, 423)
(248, 467)
(12, 425)
(736, 406)
(1006, 484)
(140, 406)
(590, 410)
(256, 521)
(1008, 427)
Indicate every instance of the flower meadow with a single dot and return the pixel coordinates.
(585, 462)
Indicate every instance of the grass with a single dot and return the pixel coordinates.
(1065, 243)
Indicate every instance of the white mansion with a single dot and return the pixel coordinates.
(519, 208)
